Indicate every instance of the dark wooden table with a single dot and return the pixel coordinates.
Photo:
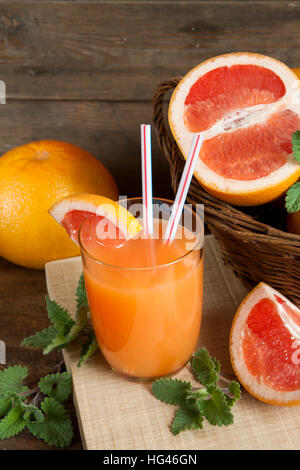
(85, 72)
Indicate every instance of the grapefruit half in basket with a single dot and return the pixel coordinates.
(265, 346)
(248, 106)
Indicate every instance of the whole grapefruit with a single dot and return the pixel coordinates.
(32, 178)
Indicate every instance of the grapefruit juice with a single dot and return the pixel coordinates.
(145, 300)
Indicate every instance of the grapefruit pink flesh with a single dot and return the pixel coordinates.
(240, 151)
(252, 152)
(111, 236)
(269, 347)
(226, 89)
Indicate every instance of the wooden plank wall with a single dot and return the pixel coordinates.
(85, 71)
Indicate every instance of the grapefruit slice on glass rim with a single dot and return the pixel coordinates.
(265, 346)
(248, 106)
(108, 220)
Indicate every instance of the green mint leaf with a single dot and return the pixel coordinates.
(81, 311)
(171, 391)
(58, 342)
(58, 386)
(186, 418)
(292, 198)
(41, 339)
(296, 145)
(56, 429)
(88, 349)
(32, 414)
(5, 406)
(205, 368)
(11, 380)
(12, 424)
(235, 392)
(215, 409)
(81, 298)
(59, 317)
(81, 323)
(194, 394)
(8, 400)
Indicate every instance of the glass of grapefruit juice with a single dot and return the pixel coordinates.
(145, 296)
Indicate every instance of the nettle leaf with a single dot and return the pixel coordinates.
(186, 418)
(12, 424)
(296, 145)
(205, 368)
(171, 391)
(292, 198)
(59, 317)
(88, 349)
(56, 429)
(58, 386)
(41, 339)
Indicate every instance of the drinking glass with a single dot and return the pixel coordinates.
(147, 318)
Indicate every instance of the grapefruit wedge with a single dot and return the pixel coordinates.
(248, 106)
(265, 346)
(112, 222)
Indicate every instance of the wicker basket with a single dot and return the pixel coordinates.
(254, 250)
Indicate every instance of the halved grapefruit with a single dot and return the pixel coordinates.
(265, 346)
(248, 106)
(105, 215)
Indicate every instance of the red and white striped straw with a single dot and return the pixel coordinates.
(183, 187)
(147, 178)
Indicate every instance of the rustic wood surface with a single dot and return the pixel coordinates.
(85, 72)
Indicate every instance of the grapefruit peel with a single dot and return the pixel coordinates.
(80, 206)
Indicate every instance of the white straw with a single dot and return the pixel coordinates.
(183, 187)
(147, 178)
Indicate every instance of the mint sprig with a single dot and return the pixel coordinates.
(209, 402)
(292, 198)
(44, 414)
(63, 330)
(40, 410)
